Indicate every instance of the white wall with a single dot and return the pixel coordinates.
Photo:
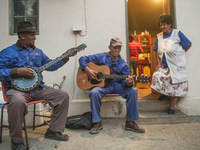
(188, 21)
(105, 19)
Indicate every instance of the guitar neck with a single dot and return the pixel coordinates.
(107, 76)
(143, 79)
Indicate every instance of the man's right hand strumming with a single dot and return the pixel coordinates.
(91, 73)
(25, 72)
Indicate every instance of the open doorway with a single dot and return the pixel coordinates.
(143, 18)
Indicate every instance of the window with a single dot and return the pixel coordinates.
(23, 10)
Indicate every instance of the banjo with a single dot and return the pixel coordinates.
(29, 84)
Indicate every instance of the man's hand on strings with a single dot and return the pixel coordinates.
(25, 72)
(129, 81)
(72, 54)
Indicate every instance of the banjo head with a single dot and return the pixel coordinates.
(26, 84)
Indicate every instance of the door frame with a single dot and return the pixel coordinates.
(171, 11)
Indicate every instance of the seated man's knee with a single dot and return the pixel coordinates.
(65, 95)
(93, 94)
(96, 94)
(17, 100)
(134, 91)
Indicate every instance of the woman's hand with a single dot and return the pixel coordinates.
(158, 66)
(90, 73)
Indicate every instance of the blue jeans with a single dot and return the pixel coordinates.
(130, 94)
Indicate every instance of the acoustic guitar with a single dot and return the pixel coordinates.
(104, 73)
(30, 84)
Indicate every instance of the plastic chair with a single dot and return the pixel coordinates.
(144, 63)
(24, 128)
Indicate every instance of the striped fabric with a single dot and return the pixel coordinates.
(134, 48)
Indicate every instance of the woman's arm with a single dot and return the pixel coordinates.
(185, 42)
(158, 62)
(187, 48)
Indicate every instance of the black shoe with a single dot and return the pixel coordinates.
(18, 146)
(56, 135)
(171, 111)
(162, 97)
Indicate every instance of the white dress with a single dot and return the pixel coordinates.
(162, 83)
(162, 80)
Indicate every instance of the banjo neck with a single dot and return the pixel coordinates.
(47, 65)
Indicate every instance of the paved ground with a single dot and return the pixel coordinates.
(183, 136)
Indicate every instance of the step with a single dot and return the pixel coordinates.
(115, 106)
(161, 117)
(153, 105)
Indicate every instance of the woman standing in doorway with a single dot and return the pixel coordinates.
(171, 76)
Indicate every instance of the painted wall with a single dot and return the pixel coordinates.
(105, 19)
(187, 17)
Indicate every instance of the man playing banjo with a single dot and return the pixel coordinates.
(12, 60)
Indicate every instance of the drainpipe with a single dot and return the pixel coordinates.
(127, 31)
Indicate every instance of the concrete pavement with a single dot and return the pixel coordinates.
(114, 137)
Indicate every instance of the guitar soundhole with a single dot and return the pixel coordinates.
(99, 76)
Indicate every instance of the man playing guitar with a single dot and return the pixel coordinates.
(123, 87)
(12, 60)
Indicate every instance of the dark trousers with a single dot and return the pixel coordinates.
(18, 107)
(133, 66)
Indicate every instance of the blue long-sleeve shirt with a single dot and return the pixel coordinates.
(119, 66)
(18, 56)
